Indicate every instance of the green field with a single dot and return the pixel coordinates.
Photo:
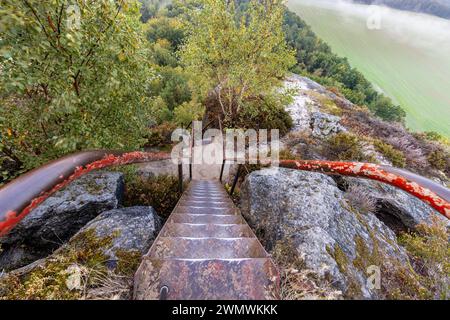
(408, 58)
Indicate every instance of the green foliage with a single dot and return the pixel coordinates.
(434, 136)
(439, 159)
(236, 55)
(172, 86)
(164, 27)
(150, 9)
(383, 107)
(188, 112)
(393, 155)
(161, 135)
(66, 87)
(266, 112)
(345, 147)
(160, 192)
(430, 250)
(315, 59)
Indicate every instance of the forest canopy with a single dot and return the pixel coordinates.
(88, 74)
(70, 84)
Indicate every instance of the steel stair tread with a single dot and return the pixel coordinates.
(207, 248)
(207, 230)
(215, 279)
(206, 218)
(202, 210)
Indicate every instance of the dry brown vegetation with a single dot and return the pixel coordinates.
(298, 282)
(423, 153)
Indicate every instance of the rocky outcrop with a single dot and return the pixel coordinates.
(333, 239)
(133, 229)
(398, 209)
(98, 262)
(60, 217)
(304, 108)
(301, 105)
(324, 125)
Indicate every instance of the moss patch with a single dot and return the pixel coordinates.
(365, 256)
(430, 252)
(128, 261)
(50, 280)
(340, 257)
(326, 104)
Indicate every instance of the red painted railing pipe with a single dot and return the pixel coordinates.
(21, 196)
(430, 192)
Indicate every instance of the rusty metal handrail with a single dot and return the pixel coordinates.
(426, 190)
(21, 196)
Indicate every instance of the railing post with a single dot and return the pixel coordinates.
(180, 177)
(191, 152)
(236, 179)
(223, 149)
(221, 170)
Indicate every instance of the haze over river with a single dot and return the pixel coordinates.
(405, 55)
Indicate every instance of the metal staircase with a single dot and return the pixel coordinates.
(206, 250)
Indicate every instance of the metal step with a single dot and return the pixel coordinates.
(206, 218)
(204, 210)
(207, 248)
(217, 279)
(206, 203)
(207, 230)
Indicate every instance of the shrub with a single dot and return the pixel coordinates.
(266, 112)
(411, 149)
(160, 192)
(248, 58)
(395, 156)
(439, 159)
(188, 112)
(386, 110)
(161, 135)
(345, 147)
(286, 154)
(430, 251)
(434, 136)
(303, 144)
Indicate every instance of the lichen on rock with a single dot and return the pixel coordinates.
(333, 239)
(57, 219)
(97, 263)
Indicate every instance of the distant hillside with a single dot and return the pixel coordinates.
(440, 8)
